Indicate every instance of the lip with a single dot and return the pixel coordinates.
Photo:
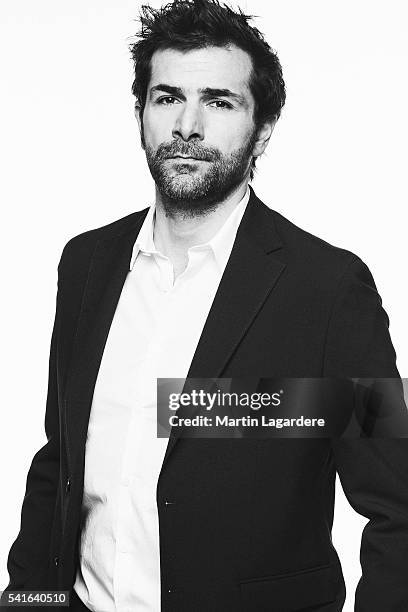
(182, 157)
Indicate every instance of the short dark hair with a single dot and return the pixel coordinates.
(185, 25)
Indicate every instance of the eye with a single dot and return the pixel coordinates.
(222, 102)
(160, 100)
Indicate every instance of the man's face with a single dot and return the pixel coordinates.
(183, 117)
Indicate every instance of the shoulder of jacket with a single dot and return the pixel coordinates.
(312, 249)
(82, 245)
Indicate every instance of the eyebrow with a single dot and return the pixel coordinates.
(208, 92)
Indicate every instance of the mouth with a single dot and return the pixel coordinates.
(187, 158)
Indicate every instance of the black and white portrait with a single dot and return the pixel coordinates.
(207, 190)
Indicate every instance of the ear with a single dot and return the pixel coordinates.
(139, 118)
(137, 110)
(263, 135)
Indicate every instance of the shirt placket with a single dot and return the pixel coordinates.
(136, 451)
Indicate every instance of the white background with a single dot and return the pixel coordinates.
(71, 160)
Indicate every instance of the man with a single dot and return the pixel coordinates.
(206, 282)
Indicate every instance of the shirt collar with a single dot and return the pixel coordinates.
(220, 244)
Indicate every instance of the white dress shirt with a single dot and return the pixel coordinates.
(154, 333)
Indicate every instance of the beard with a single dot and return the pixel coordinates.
(196, 188)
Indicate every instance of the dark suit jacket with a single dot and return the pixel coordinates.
(249, 526)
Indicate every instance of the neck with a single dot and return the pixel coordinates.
(174, 235)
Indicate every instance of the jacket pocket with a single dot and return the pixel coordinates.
(289, 592)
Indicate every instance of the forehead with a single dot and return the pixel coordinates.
(222, 67)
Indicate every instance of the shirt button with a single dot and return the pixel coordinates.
(56, 561)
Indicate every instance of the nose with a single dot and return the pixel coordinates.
(189, 122)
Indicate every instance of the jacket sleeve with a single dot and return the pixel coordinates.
(373, 471)
(29, 553)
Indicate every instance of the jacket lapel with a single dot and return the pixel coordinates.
(107, 273)
(249, 277)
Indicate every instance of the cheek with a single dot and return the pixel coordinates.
(229, 135)
(157, 129)
(229, 141)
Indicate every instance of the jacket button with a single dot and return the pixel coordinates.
(168, 503)
(68, 486)
(56, 561)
